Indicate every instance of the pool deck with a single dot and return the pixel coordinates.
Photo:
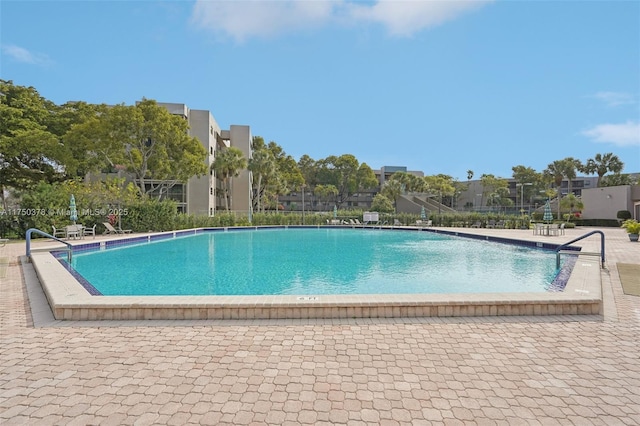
(432, 370)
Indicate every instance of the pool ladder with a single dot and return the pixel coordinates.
(559, 249)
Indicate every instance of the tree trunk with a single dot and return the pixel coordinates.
(258, 191)
(226, 194)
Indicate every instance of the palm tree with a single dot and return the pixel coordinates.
(601, 164)
(228, 164)
(570, 167)
(571, 203)
(409, 182)
(555, 170)
(392, 189)
(263, 166)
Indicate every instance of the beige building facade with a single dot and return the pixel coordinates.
(606, 202)
(203, 196)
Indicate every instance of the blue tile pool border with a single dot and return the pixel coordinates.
(557, 285)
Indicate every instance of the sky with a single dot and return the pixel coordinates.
(434, 86)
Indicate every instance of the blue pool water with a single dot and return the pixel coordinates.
(314, 262)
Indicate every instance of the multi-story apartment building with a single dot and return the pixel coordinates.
(204, 195)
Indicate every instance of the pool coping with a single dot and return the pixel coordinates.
(69, 300)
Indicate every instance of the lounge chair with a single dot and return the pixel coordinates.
(111, 230)
(396, 222)
(477, 224)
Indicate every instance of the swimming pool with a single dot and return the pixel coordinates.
(69, 298)
(319, 261)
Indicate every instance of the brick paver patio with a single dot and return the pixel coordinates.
(489, 370)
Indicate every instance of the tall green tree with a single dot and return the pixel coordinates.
(30, 151)
(325, 193)
(442, 185)
(228, 164)
(409, 182)
(570, 167)
(155, 144)
(88, 140)
(491, 184)
(365, 178)
(309, 169)
(601, 164)
(555, 172)
(392, 190)
(346, 174)
(523, 175)
(274, 171)
(289, 174)
(263, 167)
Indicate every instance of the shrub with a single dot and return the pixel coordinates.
(149, 215)
(623, 214)
(605, 223)
(382, 204)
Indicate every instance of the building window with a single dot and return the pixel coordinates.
(210, 191)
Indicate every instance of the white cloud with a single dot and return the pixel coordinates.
(245, 19)
(624, 134)
(613, 99)
(405, 18)
(241, 20)
(21, 54)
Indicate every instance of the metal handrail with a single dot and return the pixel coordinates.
(560, 247)
(37, 231)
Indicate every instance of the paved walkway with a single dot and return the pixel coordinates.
(502, 370)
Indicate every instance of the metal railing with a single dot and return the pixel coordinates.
(560, 247)
(30, 231)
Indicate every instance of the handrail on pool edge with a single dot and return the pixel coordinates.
(37, 231)
(560, 247)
